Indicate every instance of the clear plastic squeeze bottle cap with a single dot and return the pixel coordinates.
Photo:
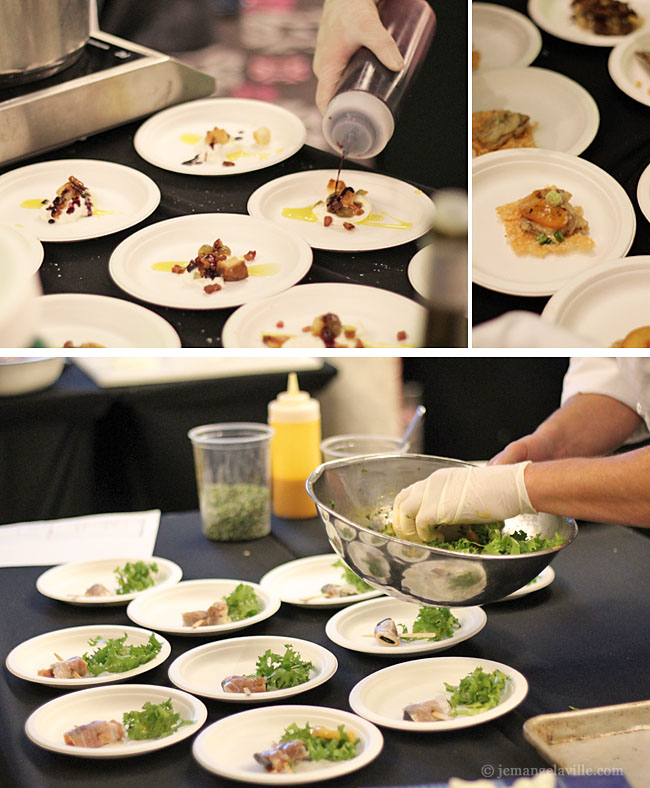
(293, 405)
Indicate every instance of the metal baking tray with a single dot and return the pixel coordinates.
(612, 739)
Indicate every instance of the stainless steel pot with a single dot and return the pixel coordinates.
(40, 37)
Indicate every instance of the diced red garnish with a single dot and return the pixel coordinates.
(306, 329)
(280, 324)
(228, 163)
(250, 255)
(178, 269)
(212, 288)
(327, 220)
(348, 225)
(350, 333)
(401, 336)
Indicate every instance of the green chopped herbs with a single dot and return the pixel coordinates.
(115, 656)
(477, 692)
(243, 602)
(353, 579)
(433, 619)
(553, 197)
(542, 239)
(559, 237)
(135, 576)
(328, 747)
(155, 721)
(235, 512)
(283, 671)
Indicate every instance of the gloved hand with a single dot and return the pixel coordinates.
(460, 495)
(345, 26)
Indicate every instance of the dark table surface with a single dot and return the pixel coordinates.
(621, 146)
(582, 641)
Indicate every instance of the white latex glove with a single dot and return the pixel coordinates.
(460, 495)
(345, 26)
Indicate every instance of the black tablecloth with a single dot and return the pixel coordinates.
(582, 641)
(621, 146)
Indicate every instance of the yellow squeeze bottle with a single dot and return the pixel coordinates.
(295, 450)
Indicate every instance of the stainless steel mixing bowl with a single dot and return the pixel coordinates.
(354, 498)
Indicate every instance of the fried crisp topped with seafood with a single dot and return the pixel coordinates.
(217, 260)
(219, 145)
(545, 221)
(499, 129)
(605, 17)
(72, 202)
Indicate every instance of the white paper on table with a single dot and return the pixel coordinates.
(88, 538)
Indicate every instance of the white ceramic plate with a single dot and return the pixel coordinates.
(606, 303)
(543, 579)
(227, 747)
(554, 16)
(162, 609)
(168, 138)
(46, 726)
(201, 670)
(504, 38)
(399, 212)
(418, 272)
(299, 582)
(565, 114)
(350, 627)
(382, 696)
(123, 196)
(627, 71)
(105, 321)
(178, 240)
(17, 244)
(68, 582)
(506, 176)
(38, 653)
(377, 315)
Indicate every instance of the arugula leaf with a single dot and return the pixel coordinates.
(155, 721)
(353, 579)
(243, 602)
(114, 656)
(135, 576)
(283, 671)
(477, 692)
(320, 748)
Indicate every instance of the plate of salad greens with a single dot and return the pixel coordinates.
(79, 657)
(141, 717)
(466, 691)
(334, 743)
(317, 581)
(203, 607)
(108, 581)
(253, 669)
(366, 627)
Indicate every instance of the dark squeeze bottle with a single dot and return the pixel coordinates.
(360, 118)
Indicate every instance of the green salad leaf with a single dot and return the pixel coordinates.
(135, 576)
(283, 671)
(243, 602)
(115, 656)
(353, 579)
(155, 721)
(487, 538)
(321, 748)
(433, 619)
(477, 692)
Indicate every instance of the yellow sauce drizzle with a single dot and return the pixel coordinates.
(240, 154)
(302, 214)
(263, 269)
(33, 203)
(167, 265)
(385, 220)
(191, 139)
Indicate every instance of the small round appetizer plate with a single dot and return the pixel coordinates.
(38, 653)
(69, 582)
(123, 197)
(544, 96)
(48, 724)
(172, 138)
(201, 670)
(504, 38)
(228, 747)
(299, 582)
(106, 322)
(375, 317)
(555, 17)
(510, 175)
(354, 627)
(382, 696)
(162, 609)
(543, 579)
(629, 73)
(605, 303)
(16, 243)
(142, 264)
(398, 213)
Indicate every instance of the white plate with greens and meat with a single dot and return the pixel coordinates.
(287, 745)
(317, 581)
(253, 669)
(80, 657)
(391, 627)
(107, 581)
(203, 607)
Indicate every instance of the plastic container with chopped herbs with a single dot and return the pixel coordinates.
(232, 464)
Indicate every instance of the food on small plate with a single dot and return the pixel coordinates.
(326, 330)
(73, 201)
(386, 632)
(72, 668)
(545, 222)
(342, 206)
(311, 743)
(273, 672)
(98, 589)
(605, 17)
(217, 261)
(499, 129)
(133, 576)
(244, 684)
(215, 615)
(219, 145)
(638, 337)
(432, 623)
(433, 710)
(353, 585)
(95, 734)
(242, 603)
